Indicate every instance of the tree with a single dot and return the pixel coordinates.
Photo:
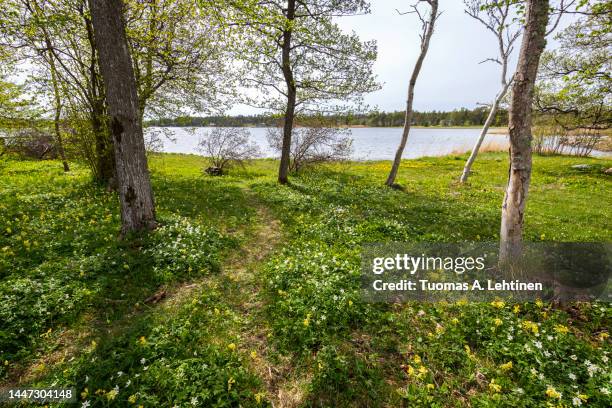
(496, 16)
(49, 57)
(301, 61)
(519, 173)
(574, 83)
(134, 185)
(34, 34)
(427, 30)
(178, 52)
(43, 32)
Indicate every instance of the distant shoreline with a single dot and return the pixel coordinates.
(492, 131)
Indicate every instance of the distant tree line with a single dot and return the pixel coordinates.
(457, 117)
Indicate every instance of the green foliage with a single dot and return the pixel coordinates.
(59, 254)
(323, 65)
(314, 306)
(575, 81)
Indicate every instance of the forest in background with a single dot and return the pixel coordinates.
(457, 117)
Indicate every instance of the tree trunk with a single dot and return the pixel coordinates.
(483, 133)
(134, 184)
(409, 102)
(57, 101)
(105, 158)
(58, 106)
(519, 173)
(283, 170)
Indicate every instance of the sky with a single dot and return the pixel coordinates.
(451, 76)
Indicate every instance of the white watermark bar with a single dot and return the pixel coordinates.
(433, 272)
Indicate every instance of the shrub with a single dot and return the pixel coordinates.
(226, 147)
(32, 143)
(313, 145)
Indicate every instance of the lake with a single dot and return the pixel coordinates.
(368, 143)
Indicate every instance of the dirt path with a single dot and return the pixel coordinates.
(242, 270)
(276, 371)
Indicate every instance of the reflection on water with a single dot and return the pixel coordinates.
(368, 143)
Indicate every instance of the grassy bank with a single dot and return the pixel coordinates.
(249, 292)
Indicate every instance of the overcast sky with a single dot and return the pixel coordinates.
(451, 76)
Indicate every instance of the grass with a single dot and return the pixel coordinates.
(259, 289)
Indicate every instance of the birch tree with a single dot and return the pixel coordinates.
(298, 59)
(496, 16)
(427, 30)
(519, 172)
(134, 184)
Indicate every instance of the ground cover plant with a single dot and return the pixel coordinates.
(248, 292)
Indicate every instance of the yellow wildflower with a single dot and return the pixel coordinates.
(231, 346)
(132, 399)
(561, 329)
(85, 393)
(430, 386)
(506, 366)
(552, 393)
(423, 370)
(142, 340)
(516, 309)
(259, 397)
(583, 397)
(230, 382)
(307, 320)
(498, 322)
(455, 321)
(529, 325)
(539, 303)
(417, 359)
(493, 386)
(410, 370)
(603, 336)
(498, 304)
(112, 394)
(253, 354)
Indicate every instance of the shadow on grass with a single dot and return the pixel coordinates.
(74, 281)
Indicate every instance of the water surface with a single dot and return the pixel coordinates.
(368, 143)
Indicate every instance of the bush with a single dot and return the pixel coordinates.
(313, 145)
(31, 143)
(227, 147)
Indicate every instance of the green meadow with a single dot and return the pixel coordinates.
(248, 292)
